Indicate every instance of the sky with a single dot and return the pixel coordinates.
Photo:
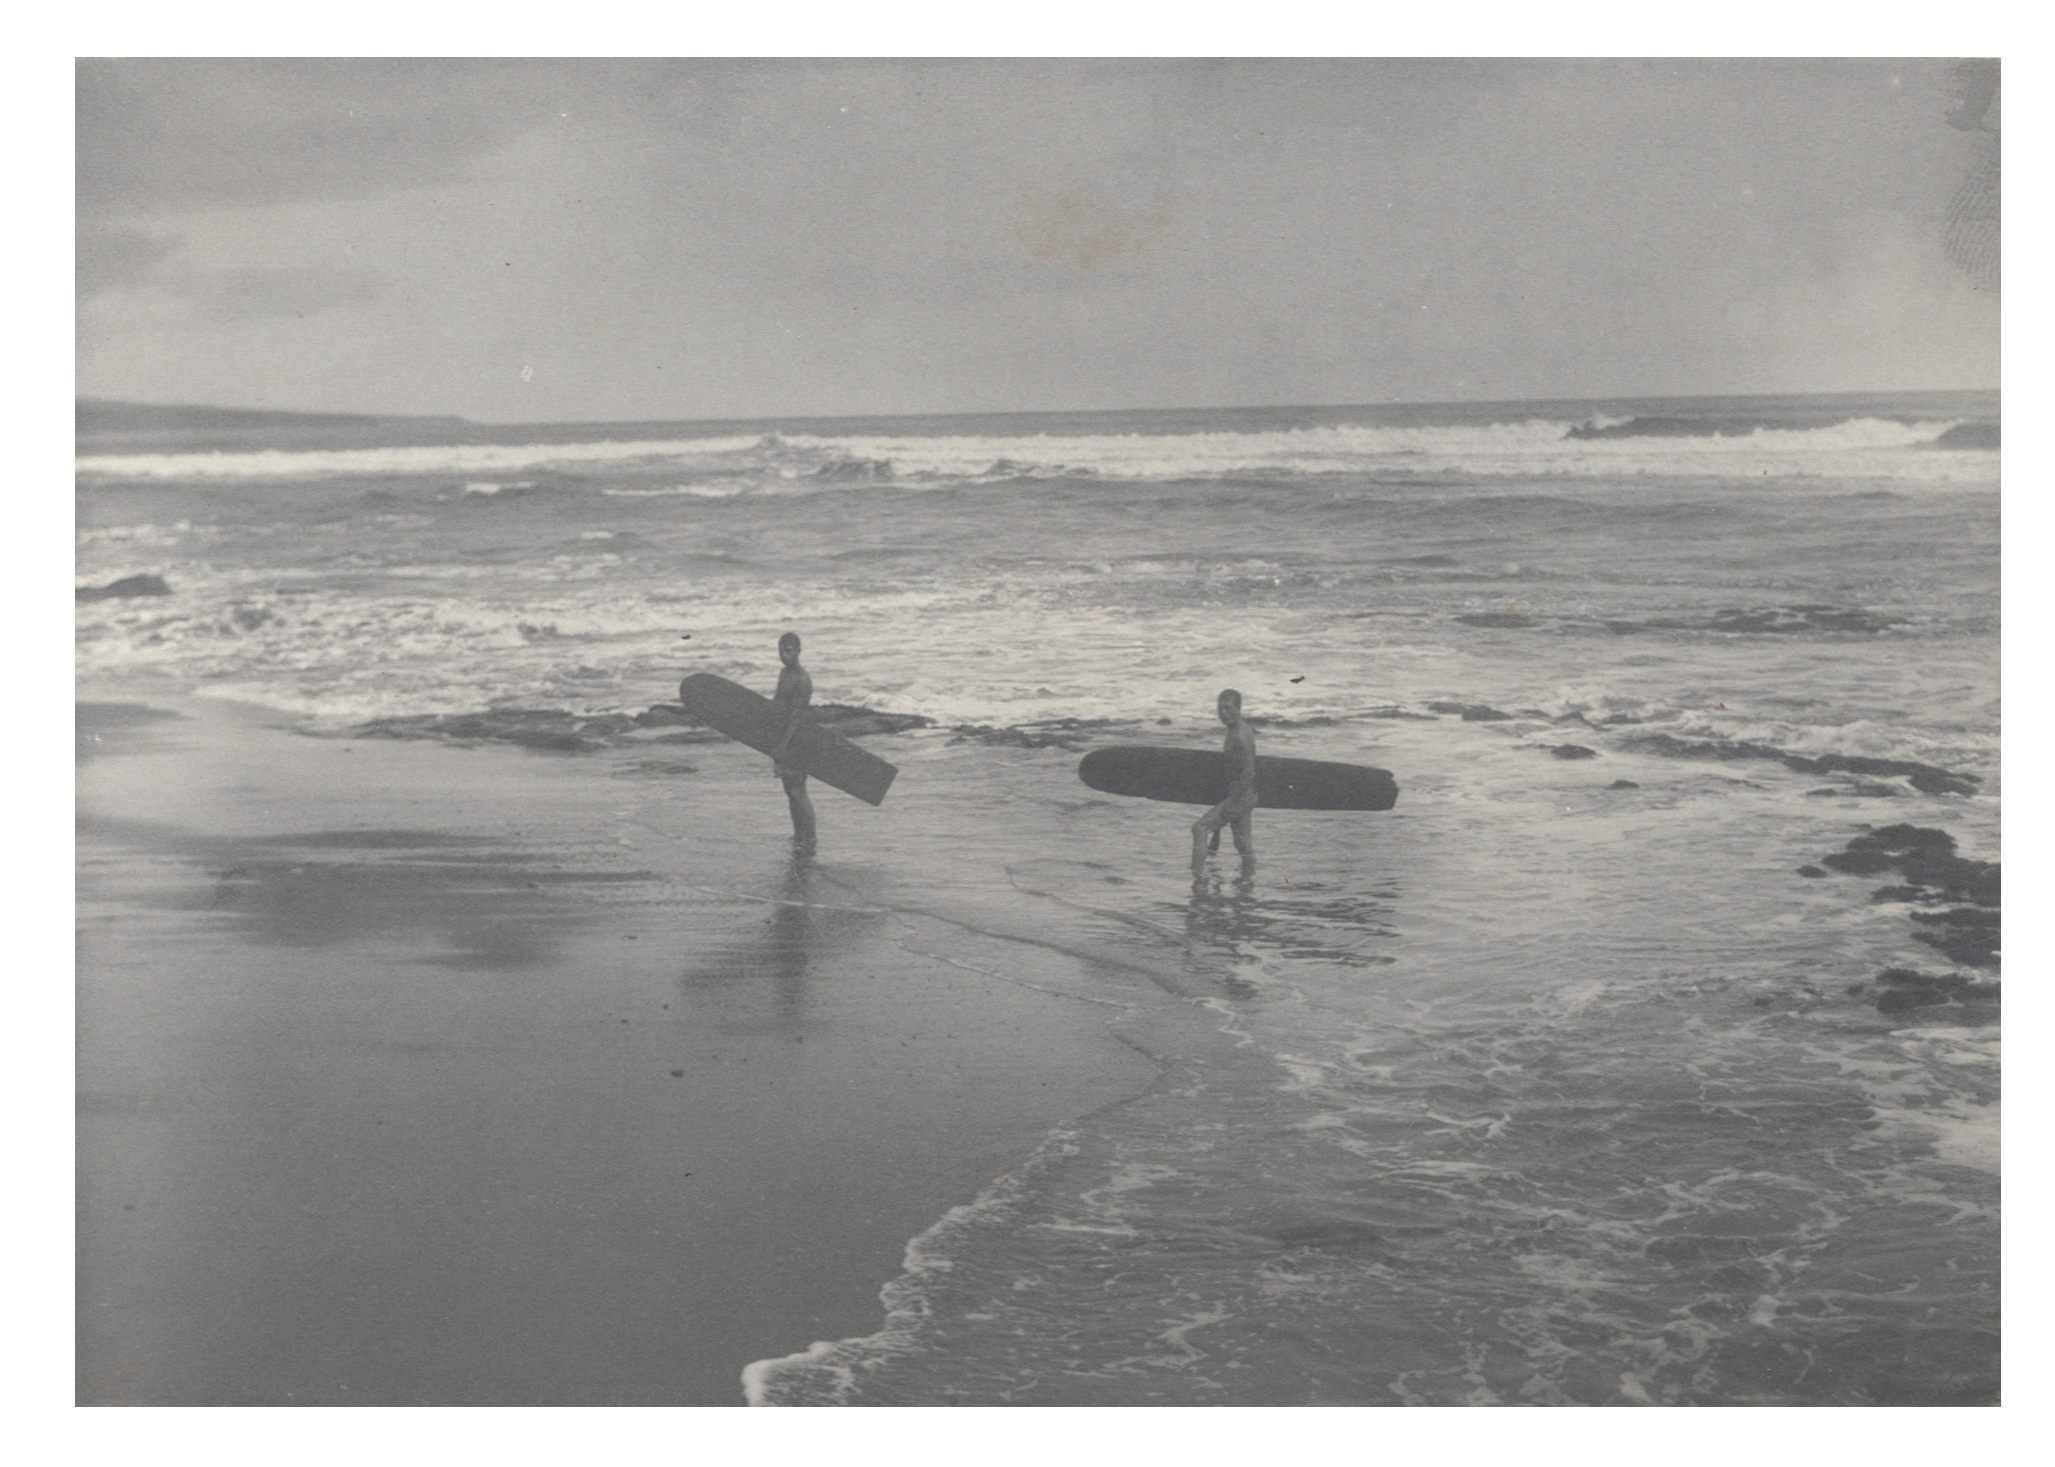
(560, 240)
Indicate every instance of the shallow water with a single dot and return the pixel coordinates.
(1534, 1090)
(1516, 1125)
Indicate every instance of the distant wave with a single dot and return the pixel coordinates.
(1663, 447)
(1665, 428)
(1865, 432)
(1860, 447)
(1802, 620)
(454, 458)
(1969, 436)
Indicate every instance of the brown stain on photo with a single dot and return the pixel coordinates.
(1089, 229)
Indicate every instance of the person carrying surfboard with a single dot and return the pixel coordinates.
(795, 692)
(1237, 811)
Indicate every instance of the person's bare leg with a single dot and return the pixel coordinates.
(802, 813)
(1205, 827)
(1244, 828)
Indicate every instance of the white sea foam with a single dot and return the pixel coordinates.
(826, 1372)
(1869, 447)
(681, 491)
(135, 534)
(455, 458)
(1866, 448)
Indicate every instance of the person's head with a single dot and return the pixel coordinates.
(788, 649)
(1230, 705)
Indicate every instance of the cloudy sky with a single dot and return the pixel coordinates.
(557, 240)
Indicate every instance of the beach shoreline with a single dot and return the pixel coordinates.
(420, 1074)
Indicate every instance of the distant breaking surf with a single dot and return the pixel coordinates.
(1862, 447)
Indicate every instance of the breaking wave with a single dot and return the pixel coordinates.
(1637, 447)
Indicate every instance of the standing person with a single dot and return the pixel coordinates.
(795, 692)
(1236, 812)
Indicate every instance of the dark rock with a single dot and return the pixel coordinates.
(1573, 751)
(1923, 777)
(1785, 620)
(554, 730)
(854, 723)
(1471, 712)
(1978, 951)
(1907, 838)
(1049, 733)
(1904, 989)
(1016, 738)
(126, 586)
(549, 730)
(1969, 935)
(1981, 918)
(1899, 1000)
(1926, 858)
(664, 715)
(1966, 932)
(1628, 784)
(1810, 871)
(1859, 863)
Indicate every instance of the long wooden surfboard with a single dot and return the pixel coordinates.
(752, 719)
(1199, 777)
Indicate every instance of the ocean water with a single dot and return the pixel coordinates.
(1559, 1083)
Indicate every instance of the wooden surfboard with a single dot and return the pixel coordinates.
(1199, 777)
(752, 719)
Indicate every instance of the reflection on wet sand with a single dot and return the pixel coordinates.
(792, 935)
(801, 925)
(455, 900)
(1227, 916)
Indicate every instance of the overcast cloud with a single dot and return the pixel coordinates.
(563, 239)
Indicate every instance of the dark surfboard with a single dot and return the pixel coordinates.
(752, 719)
(1199, 777)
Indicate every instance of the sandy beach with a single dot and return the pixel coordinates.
(417, 1074)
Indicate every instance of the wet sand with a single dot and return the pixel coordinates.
(417, 1074)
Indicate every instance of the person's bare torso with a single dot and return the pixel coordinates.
(795, 688)
(1239, 750)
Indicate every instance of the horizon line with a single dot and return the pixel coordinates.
(81, 400)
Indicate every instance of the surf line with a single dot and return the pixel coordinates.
(910, 946)
(723, 894)
(904, 916)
